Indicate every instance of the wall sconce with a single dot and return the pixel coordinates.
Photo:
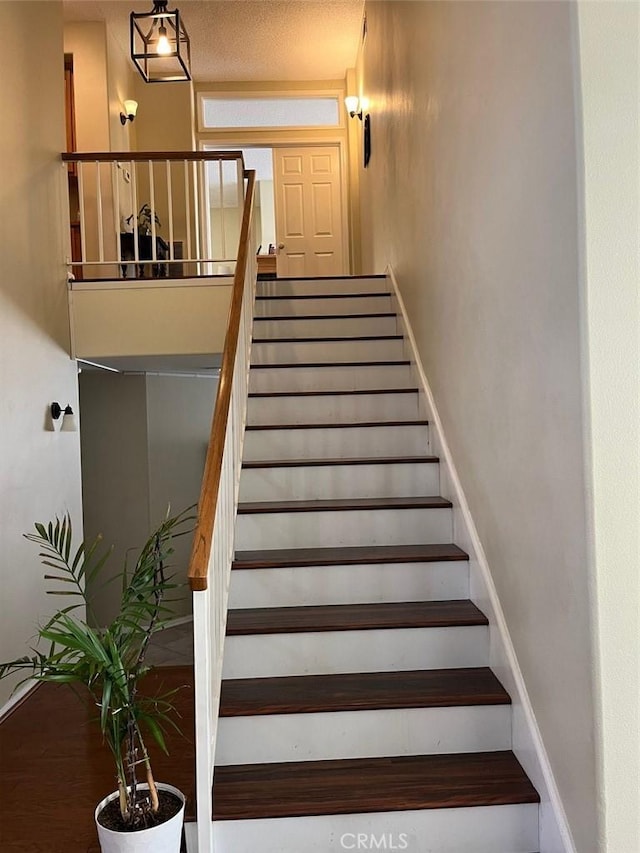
(160, 46)
(69, 423)
(130, 110)
(356, 107)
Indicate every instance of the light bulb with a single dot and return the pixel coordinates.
(69, 423)
(163, 48)
(130, 108)
(351, 103)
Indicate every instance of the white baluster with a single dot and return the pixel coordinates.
(170, 209)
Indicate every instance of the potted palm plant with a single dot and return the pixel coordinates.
(110, 663)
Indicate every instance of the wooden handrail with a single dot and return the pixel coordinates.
(126, 156)
(201, 549)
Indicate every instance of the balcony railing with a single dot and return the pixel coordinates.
(154, 215)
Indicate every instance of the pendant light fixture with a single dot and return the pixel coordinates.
(160, 47)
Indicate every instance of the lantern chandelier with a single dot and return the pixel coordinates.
(160, 47)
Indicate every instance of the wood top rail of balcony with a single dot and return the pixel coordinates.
(201, 549)
(127, 156)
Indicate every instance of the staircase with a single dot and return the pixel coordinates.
(357, 708)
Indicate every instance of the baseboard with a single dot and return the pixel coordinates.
(179, 620)
(16, 699)
(555, 835)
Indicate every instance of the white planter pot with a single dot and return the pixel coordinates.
(164, 838)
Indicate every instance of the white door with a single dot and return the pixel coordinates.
(309, 223)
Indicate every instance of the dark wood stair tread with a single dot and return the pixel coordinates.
(342, 425)
(344, 504)
(352, 786)
(334, 392)
(361, 691)
(350, 316)
(354, 617)
(332, 340)
(349, 295)
(322, 364)
(300, 279)
(359, 460)
(351, 555)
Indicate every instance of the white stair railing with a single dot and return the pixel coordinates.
(147, 214)
(213, 545)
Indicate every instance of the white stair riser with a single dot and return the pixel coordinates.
(346, 442)
(483, 829)
(318, 482)
(322, 327)
(352, 378)
(301, 287)
(255, 531)
(329, 408)
(327, 306)
(363, 734)
(375, 650)
(360, 584)
(286, 352)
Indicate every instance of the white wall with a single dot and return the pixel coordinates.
(179, 413)
(115, 474)
(471, 196)
(610, 101)
(267, 214)
(39, 469)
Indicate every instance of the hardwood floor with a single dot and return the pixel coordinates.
(55, 769)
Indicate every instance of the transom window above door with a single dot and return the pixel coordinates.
(229, 111)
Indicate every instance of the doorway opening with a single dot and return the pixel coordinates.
(261, 160)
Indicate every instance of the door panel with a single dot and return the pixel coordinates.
(309, 226)
(291, 165)
(320, 164)
(296, 265)
(293, 222)
(322, 210)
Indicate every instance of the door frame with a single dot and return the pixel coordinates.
(293, 140)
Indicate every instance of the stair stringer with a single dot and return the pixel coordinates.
(555, 834)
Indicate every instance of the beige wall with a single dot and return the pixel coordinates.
(610, 100)
(121, 86)
(165, 123)
(165, 116)
(103, 79)
(150, 319)
(87, 41)
(39, 469)
(471, 195)
(144, 441)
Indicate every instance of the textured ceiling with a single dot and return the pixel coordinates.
(250, 39)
